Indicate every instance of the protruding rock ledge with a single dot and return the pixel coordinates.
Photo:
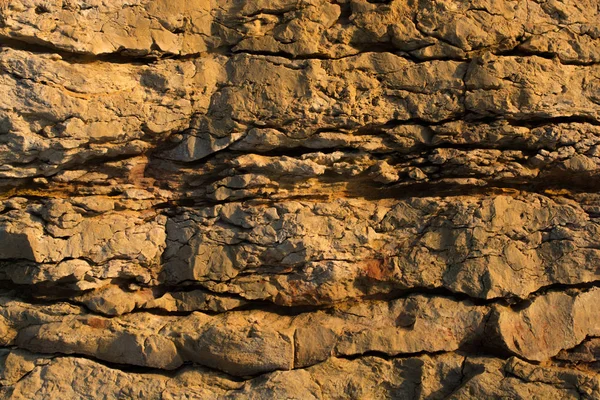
(26, 376)
(253, 342)
(440, 29)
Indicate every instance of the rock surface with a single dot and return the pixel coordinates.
(299, 199)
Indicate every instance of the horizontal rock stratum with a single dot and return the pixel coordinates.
(301, 199)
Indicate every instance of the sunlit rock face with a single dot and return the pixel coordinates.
(303, 199)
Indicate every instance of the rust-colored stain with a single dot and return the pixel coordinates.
(137, 174)
(98, 323)
(376, 269)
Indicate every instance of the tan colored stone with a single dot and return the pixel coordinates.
(299, 199)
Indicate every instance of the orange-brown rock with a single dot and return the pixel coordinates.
(299, 199)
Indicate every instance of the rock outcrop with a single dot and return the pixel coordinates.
(299, 199)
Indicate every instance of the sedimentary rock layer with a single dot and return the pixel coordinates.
(299, 199)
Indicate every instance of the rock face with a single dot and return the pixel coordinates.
(299, 199)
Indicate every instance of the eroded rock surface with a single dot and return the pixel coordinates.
(299, 199)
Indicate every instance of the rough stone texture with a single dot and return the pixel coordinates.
(299, 199)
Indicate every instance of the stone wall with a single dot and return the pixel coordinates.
(300, 199)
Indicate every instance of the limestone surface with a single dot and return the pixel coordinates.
(300, 199)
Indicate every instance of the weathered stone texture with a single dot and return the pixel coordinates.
(299, 199)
